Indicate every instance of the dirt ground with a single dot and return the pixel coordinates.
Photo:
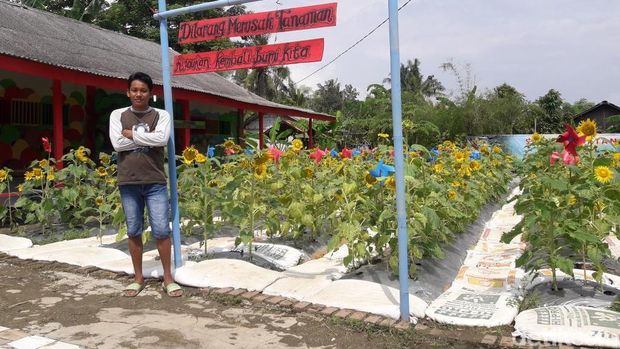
(84, 307)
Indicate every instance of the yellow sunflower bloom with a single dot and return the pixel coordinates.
(460, 156)
(370, 179)
(200, 158)
(452, 194)
(212, 184)
(99, 200)
(465, 171)
(3, 175)
(37, 173)
(297, 144)
(484, 150)
(455, 184)
(229, 144)
(474, 165)
(260, 171)
(44, 163)
(82, 154)
(50, 175)
(390, 182)
(309, 172)
(111, 180)
(28, 175)
(105, 158)
(20, 188)
(383, 135)
(536, 137)
(438, 168)
(588, 129)
(189, 155)
(497, 149)
(599, 205)
(616, 157)
(263, 158)
(102, 172)
(603, 174)
(572, 199)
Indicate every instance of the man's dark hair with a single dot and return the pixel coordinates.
(145, 78)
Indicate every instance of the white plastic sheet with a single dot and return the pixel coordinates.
(570, 324)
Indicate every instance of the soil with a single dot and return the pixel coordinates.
(83, 306)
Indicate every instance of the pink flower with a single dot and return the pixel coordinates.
(317, 155)
(569, 159)
(275, 153)
(555, 156)
(229, 151)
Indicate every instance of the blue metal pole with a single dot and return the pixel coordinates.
(403, 266)
(199, 7)
(172, 166)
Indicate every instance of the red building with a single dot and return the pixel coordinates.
(60, 78)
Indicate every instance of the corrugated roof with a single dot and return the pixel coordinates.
(67, 43)
(602, 104)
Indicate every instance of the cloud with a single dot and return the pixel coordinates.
(534, 45)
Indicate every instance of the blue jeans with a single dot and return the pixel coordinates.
(155, 196)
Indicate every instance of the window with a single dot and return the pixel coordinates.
(26, 113)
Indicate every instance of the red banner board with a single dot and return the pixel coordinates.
(299, 18)
(249, 57)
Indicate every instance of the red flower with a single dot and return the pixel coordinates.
(571, 140)
(47, 146)
(317, 155)
(346, 153)
(275, 153)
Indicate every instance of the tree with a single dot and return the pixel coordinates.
(412, 80)
(549, 115)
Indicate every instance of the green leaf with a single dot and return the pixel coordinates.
(582, 236)
(565, 264)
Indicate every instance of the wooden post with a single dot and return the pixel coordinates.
(186, 117)
(57, 122)
(261, 130)
(310, 134)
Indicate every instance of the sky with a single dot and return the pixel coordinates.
(533, 45)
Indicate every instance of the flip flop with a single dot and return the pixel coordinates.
(133, 289)
(172, 290)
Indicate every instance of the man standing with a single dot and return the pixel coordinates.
(139, 134)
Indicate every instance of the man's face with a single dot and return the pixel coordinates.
(139, 95)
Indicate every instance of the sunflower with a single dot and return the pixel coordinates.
(111, 180)
(229, 144)
(105, 158)
(4, 175)
(616, 157)
(28, 175)
(20, 188)
(455, 184)
(414, 154)
(212, 184)
(200, 158)
(497, 149)
(383, 135)
(452, 194)
(536, 137)
(37, 173)
(390, 182)
(102, 172)
(260, 171)
(572, 199)
(189, 155)
(263, 157)
(44, 163)
(603, 174)
(460, 156)
(99, 200)
(370, 179)
(309, 172)
(599, 205)
(484, 150)
(82, 154)
(474, 165)
(50, 175)
(438, 168)
(297, 144)
(587, 128)
(465, 171)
